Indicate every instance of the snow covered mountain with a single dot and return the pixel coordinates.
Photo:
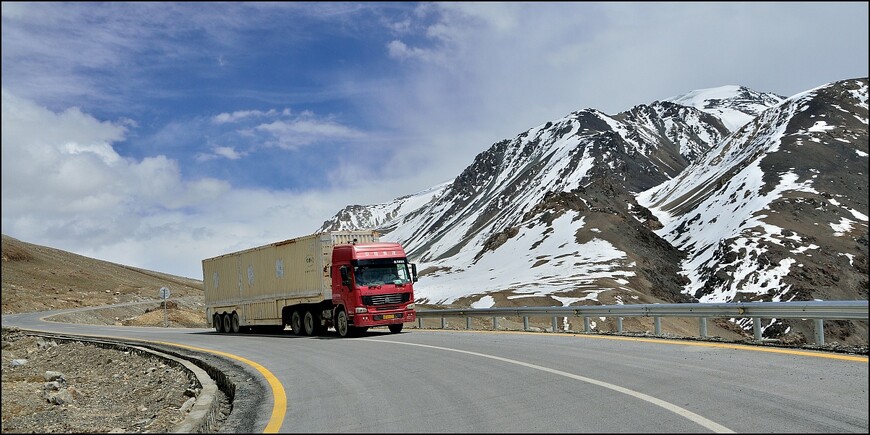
(735, 106)
(777, 211)
(666, 202)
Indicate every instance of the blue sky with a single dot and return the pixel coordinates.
(158, 134)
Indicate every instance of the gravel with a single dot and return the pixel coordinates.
(52, 386)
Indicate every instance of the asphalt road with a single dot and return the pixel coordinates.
(475, 382)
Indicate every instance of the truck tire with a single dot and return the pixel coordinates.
(226, 322)
(296, 322)
(234, 323)
(310, 322)
(397, 328)
(342, 325)
(216, 322)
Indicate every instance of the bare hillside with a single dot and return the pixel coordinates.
(39, 278)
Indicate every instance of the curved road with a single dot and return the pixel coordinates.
(458, 381)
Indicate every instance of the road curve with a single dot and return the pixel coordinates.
(458, 381)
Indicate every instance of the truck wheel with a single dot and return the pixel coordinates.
(310, 323)
(234, 323)
(226, 322)
(342, 325)
(397, 328)
(216, 322)
(296, 322)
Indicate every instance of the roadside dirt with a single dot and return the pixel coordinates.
(73, 387)
(103, 390)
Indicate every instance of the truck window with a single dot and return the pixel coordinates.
(380, 274)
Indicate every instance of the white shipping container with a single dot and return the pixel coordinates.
(258, 282)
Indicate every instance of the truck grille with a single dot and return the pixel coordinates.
(390, 299)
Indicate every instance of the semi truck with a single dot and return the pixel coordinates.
(347, 280)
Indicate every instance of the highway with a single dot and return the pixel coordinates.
(429, 381)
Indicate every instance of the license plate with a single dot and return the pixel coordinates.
(389, 316)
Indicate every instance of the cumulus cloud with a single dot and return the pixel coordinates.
(63, 180)
(65, 186)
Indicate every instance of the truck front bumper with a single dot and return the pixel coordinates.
(385, 318)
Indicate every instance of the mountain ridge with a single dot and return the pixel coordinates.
(615, 183)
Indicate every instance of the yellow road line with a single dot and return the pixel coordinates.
(279, 407)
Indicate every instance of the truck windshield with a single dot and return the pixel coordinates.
(380, 273)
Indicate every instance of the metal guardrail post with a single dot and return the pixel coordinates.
(586, 324)
(555, 325)
(658, 325)
(468, 322)
(495, 323)
(820, 331)
(525, 323)
(702, 325)
(443, 323)
(619, 325)
(420, 322)
(756, 328)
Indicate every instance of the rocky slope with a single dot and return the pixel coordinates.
(103, 389)
(598, 209)
(72, 387)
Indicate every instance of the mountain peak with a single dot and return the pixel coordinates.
(734, 105)
(720, 195)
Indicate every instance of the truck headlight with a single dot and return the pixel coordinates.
(409, 307)
(361, 310)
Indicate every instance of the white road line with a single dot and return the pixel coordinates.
(709, 424)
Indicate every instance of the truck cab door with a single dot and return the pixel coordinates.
(340, 282)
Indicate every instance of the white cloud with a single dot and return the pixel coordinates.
(65, 186)
(399, 50)
(224, 118)
(306, 129)
(228, 152)
(217, 152)
(483, 72)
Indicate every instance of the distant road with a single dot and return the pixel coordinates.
(457, 381)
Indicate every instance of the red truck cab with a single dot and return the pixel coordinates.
(372, 285)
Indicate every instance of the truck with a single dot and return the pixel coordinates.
(347, 280)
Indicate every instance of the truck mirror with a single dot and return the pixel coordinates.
(345, 280)
(414, 272)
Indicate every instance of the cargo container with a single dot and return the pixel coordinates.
(347, 280)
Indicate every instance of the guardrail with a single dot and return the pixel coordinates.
(818, 311)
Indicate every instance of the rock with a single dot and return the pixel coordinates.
(107, 396)
(185, 408)
(42, 344)
(54, 376)
(51, 386)
(59, 398)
